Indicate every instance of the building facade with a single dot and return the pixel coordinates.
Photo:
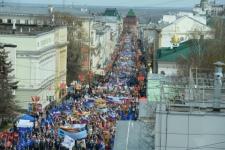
(183, 28)
(207, 8)
(101, 35)
(102, 46)
(40, 61)
(10, 14)
(130, 22)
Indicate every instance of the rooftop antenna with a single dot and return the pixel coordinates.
(218, 85)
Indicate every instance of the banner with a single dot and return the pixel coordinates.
(78, 126)
(114, 99)
(68, 142)
(24, 124)
(75, 135)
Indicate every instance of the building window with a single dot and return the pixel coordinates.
(1, 21)
(9, 21)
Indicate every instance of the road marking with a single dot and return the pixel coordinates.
(128, 134)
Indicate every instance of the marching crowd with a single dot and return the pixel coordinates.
(97, 107)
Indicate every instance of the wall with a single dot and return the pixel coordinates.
(61, 58)
(185, 28)
(19, 41)
(45, 40)
(167, 67)
(103, 46)
(35, 62)
(28, 20)
(184, 130)
(35, 66)
(23, 96)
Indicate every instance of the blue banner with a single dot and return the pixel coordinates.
(74, 135)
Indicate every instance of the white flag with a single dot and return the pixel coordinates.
(68, 142)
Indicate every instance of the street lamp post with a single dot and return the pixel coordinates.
(3, 45)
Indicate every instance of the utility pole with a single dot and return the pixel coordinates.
(89, 54)
(154, 57)
(155, 51)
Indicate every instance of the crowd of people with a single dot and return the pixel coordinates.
(89, 112)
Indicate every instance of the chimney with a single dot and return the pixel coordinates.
(218, 85)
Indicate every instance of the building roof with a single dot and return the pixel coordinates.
(107, 19)
(133, 135)
(204, 1)
(131, 13)
(163, 25)
(111, 12)
(24, 11)
(172, 55)
(31, 30)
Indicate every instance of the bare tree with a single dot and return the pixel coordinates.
(205, 52)
(75, 38)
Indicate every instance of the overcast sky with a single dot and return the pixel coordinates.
(131, 3)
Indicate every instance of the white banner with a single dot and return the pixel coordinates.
(68, 142)
(24, 124)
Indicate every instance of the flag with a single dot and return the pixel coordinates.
(68, 142)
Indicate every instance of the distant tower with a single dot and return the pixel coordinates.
(204, 4)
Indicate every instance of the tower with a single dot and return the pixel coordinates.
(204, 4)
